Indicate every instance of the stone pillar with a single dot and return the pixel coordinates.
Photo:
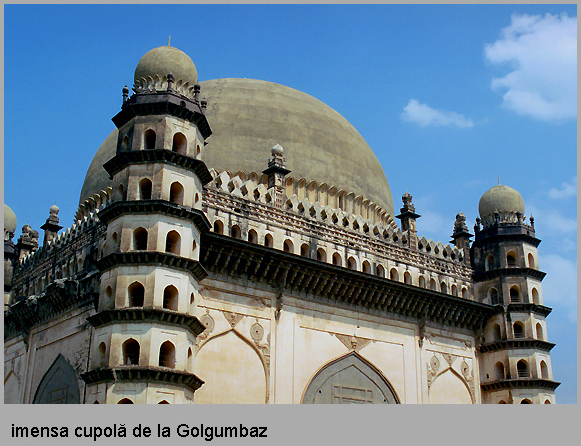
(51, 227)
(277, 172)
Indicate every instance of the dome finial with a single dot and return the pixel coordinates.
(168, 39)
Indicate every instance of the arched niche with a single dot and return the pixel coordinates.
(349, 379)
(59, 385)
(449, 388)
(232, 369)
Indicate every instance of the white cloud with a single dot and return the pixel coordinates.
(542, 53)
(552, 221)
(569, 190)
(424, 115)
(560, 283)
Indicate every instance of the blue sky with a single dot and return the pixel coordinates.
(448, 97)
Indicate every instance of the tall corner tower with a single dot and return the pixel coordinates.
(515, 362)
(143, 346)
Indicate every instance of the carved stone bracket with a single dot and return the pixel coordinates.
(353, 343)
(232, 318)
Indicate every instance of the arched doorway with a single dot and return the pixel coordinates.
(349, 380)
(59, 385)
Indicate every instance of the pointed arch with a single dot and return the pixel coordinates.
(59, 385)
(455, 374)
(252, 369)
(349, 378)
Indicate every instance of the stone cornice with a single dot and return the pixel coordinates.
(152, 258)
(122, 159)
(143, 374)
(140, 315)
(520, 383)
(508, 272)
(520, 235)
(163, 103)
(330, 283)
(541, 310)
(509, 344)
(164, 207)
(59, 296)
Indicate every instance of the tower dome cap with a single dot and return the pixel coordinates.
(163, 60)
(501, 199)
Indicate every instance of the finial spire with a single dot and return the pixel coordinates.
(168, 39)
(499, 180)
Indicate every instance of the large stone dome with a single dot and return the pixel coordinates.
(9, 219)
(248, 117)
(501, 199)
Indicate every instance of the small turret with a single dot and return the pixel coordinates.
(408, 218)
(276, 172)
(51, 227)
(27, 242)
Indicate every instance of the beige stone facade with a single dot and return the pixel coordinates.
(183, 281)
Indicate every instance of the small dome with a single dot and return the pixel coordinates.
(54, 209)
(277, 150)
(502, 199)
(164, 60)
(26, 229)
(9, 219)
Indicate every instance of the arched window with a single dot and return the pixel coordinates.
(173, 243)
(120, 192)
(514, 295)
(218, 227)
(519, 330)
(252, 236)
(235, 232)
(489, 262)
(407, 278)
(305, 250)
(268, 241)
(393, 275)
(176, 193)
(190, 361)
(547, 401)
(433, 285)
(454, 290)
(539, 331)
(464, 293)
(531, 260)
(170, 298)
(124, 143)
(522, 369)
(163, 402)
(422, 282)
(352, 263)
(379, 270)
(102, 355)
(140, 239)
(526, 401)
(493, 296)
(288, 246)
(366, 267)
(337, 259)
(149, 139)
(321, 255)
(145, 189)
(535, 296)
(502, 402)
(443, 287)
(499, 370)
(496, 333)
(511, 260)
(167, 355)
(130, 350)
(125, 401)
(135, 295)
(544, 370)
(179, 144)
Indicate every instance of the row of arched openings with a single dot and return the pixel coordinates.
(511, 261)
(172, 241)
(179, 142)
(136, 296)
(130, 354)
(336, 259)
(515, 296)
(522, 369)
(518, 330)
